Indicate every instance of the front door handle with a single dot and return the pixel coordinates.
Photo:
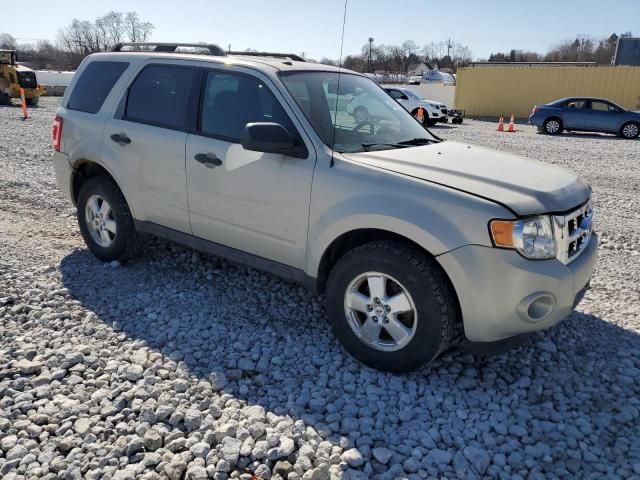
(121, 139)
(209, 160)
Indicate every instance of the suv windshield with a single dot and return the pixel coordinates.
(364, 115)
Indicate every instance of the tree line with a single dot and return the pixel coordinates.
(583, 48)
(79, 39)
(399, 58)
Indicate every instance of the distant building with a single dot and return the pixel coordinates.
(418, 69)
(627, 52)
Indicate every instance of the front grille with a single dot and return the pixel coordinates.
(27, 79)
(573, 232)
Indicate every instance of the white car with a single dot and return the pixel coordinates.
(434, 112)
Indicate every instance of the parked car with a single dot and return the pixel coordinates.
(414, 242)
(414, 80)
(587, 115)
(433, 113)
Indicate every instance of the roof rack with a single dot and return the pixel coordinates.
(168, 47)
(289, 56)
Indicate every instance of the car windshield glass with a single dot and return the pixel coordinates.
(413, 95)
(365, 116)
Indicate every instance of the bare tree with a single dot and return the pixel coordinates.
(7, 41)
(135, 29)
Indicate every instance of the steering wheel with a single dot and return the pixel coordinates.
(362, 124)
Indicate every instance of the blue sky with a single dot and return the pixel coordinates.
(314, 27)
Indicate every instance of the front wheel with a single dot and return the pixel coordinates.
(391, 306)
(630, 130)
(33, 101)
(105, 221)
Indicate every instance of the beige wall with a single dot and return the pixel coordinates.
(492, 91)
(432, 91)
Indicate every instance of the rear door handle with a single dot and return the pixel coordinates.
(209, 160)
(121, 139)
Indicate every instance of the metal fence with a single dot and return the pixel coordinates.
(490, 92)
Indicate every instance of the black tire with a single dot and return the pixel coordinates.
(430, 122)
(33, 101)
(125, 239)
(630, 130)
(4, 99)
(552, 126)
(361, 114)
(424, 280)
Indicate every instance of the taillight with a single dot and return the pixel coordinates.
(535, 109)
(57, 133)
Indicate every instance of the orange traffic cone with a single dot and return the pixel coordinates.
(512, 124)
(420, 115)
(25, 113)
(501, 124)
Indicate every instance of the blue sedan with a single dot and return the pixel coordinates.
(586, 115)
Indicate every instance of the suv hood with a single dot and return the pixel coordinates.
(527, 187)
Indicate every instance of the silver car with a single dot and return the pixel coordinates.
(414, 242)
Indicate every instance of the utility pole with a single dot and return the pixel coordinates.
(449, 48)
(370, 48)
(229, 48)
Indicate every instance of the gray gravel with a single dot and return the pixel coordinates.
(183, 366)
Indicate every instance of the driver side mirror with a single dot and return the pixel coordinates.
(269, 137)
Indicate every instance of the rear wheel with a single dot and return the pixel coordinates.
(552, 126)
(391, 306)
(4, 99)
(33, 101)
(630, 130)
(105, 221)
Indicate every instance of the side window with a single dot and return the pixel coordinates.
(94, 84)
(576, 104)
(396, 94)
(232, 100)
(159, 96)
(600, 106)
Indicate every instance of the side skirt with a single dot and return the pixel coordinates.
(281, 270)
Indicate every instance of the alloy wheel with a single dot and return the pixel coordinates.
(553, 126)
(100, 221)
(380, 311)
(630, 130)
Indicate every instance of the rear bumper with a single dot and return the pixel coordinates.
(64, 174)
(504, 295)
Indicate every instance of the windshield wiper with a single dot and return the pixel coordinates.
(367, 146)
(417, 141)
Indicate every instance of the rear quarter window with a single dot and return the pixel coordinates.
(94, 84)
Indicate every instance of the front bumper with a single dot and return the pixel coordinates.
(503, 295)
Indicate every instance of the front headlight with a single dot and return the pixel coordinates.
(532, 238)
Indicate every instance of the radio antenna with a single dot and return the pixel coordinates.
(335, 112)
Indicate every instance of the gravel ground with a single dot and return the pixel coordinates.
(181, 365)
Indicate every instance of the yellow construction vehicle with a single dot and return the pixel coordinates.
(14, 76)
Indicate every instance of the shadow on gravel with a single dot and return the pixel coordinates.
(561, 402)
(597, 136)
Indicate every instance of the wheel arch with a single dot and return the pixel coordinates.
(83, 170)
(351, 239)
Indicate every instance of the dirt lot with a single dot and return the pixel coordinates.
(183, 365)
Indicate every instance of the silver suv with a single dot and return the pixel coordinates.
(414, 241)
